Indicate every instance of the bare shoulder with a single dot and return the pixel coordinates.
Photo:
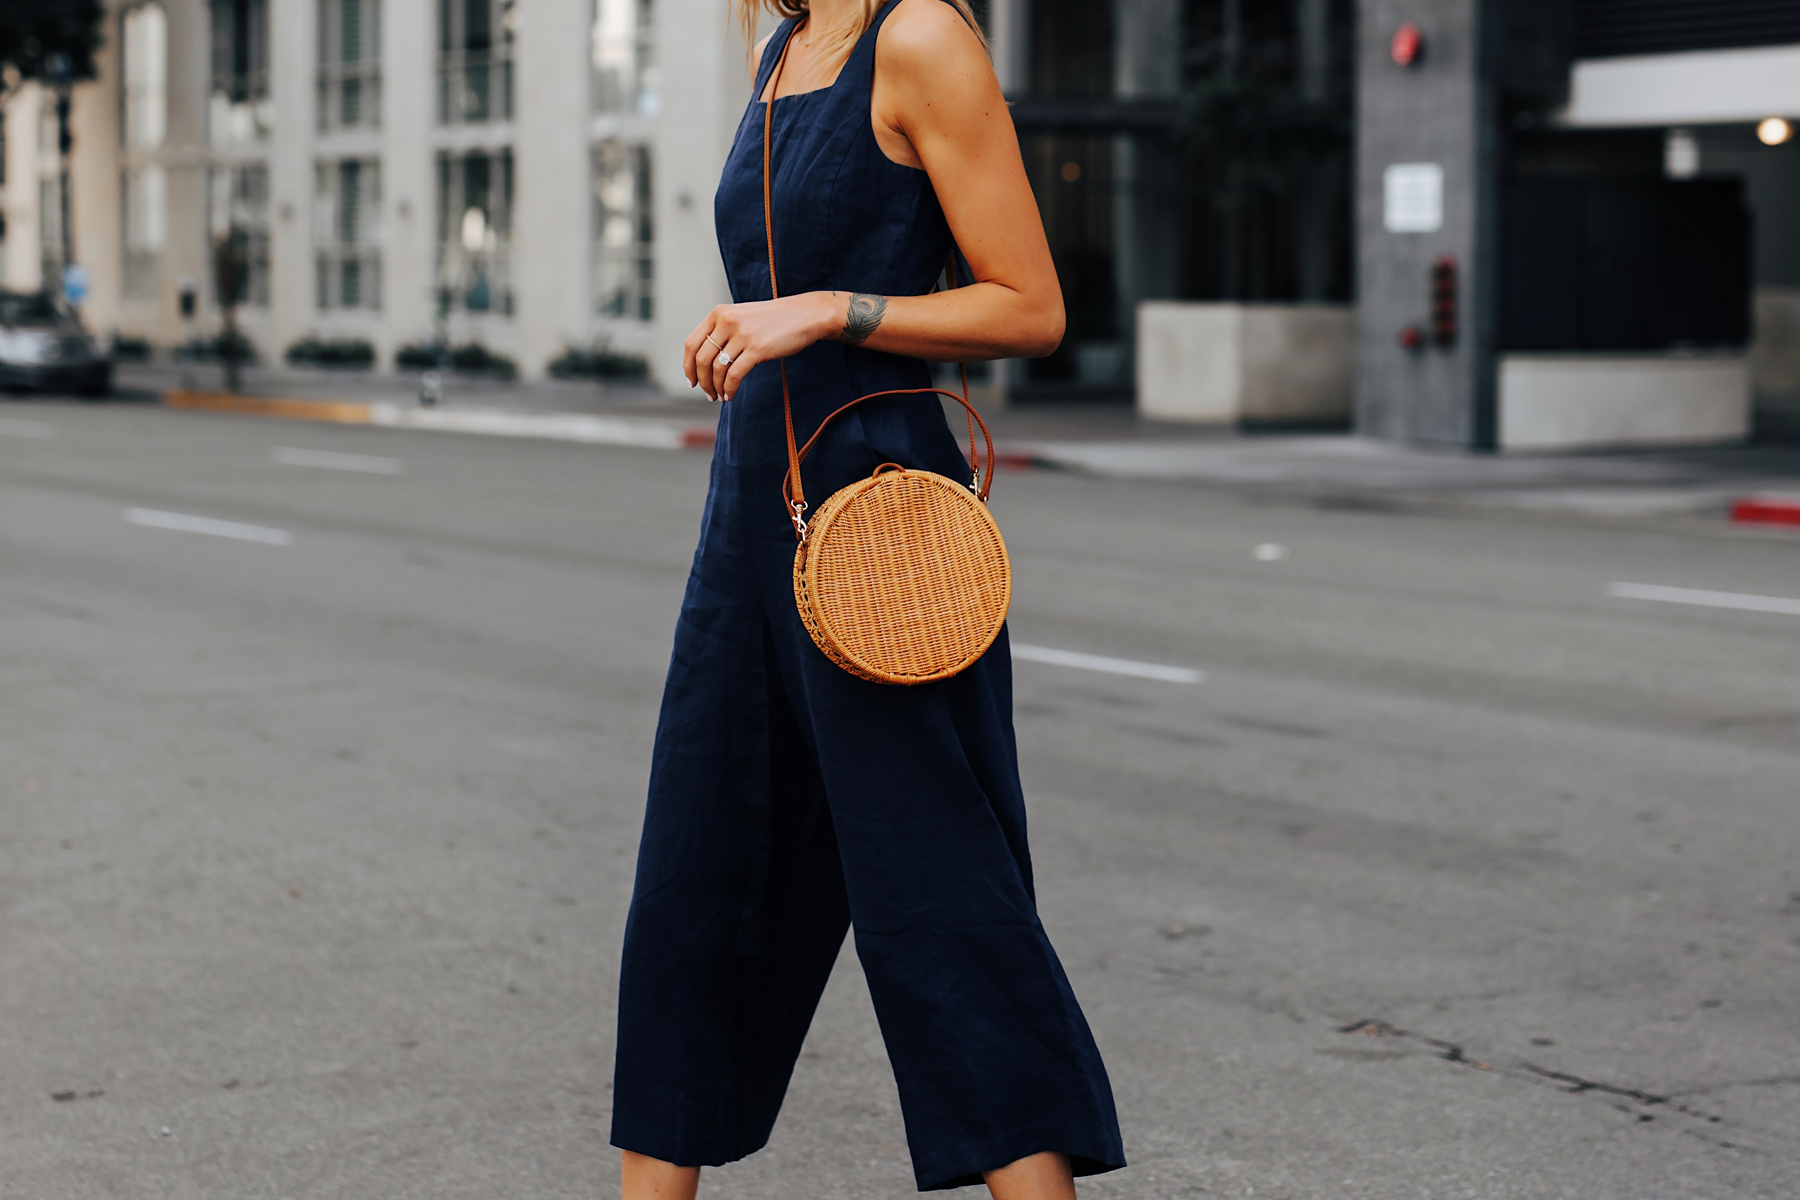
(756, 54)
(929, 40)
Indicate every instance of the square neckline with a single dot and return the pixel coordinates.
(842, 67)
(870, 35)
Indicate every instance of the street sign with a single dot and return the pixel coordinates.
(1413, 198)
(75, 283)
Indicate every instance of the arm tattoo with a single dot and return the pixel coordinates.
(866, 312)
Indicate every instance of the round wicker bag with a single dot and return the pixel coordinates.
(902, 577)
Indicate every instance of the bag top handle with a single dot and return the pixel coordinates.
(798, 501)
(793, 491)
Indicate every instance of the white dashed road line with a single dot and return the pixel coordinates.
(332, 460)
(188, 523)
(20, 428)
(1110, 666)
(1677, 595)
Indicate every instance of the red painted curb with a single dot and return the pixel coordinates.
(697, 439)
(1767, 510)
(1016, 457)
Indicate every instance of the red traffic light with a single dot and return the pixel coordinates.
(1407, 44)
(1443, 300)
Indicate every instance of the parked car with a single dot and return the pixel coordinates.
(42, 345)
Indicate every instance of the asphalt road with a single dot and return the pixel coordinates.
(1455, 876)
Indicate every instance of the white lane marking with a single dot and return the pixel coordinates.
(1270, 552)
(1111, 666)
(188, 523)
(332, 460)
(1679, 595)
(16, 427)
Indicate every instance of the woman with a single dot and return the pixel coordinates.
(790, 800)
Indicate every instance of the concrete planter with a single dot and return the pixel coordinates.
(1230, 363)
(1591, 401)
(1775, 360)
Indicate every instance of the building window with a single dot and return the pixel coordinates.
(623, 264)
(50, 238)
(347, 234)
(349, 64)
(146, 229)
(146, 77)
(475, 79)
(239, 110)
(1071, 48)
(626, 79)
(238, 195)
(475, 231)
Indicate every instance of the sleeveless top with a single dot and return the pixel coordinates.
(847, 218)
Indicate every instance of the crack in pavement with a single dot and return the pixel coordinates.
(1448, 1051)
(1577, 1085)
(1574, 1085)
(1709, 1088)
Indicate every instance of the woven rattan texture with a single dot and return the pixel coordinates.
(903, 577)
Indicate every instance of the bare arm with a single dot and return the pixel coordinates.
(937, 106)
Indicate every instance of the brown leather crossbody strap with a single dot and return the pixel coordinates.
(797, 503)
(792, 489)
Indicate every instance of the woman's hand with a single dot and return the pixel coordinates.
(748, 334)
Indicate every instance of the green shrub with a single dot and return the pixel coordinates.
(471, 358)
(417, 356)
(353, 353)
(213, 349)
(126, 348)
(576, 363)
(474, 358)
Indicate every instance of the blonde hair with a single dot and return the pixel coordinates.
(750, 11)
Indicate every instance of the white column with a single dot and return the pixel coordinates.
(20, 196)
(293, 29)
(408, 172)
(95, 193)
(705, 88)
(1009, 42)
(1147, 50)
(551, 238)
(188, 251)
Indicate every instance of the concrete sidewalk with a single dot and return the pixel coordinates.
(1642, 483)
(1110, 441)
(369, 387)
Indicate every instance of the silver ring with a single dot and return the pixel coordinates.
(724, 359)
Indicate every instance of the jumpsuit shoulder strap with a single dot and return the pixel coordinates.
(772, 54)
(862, 57)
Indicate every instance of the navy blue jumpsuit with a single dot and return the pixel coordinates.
(790, 800)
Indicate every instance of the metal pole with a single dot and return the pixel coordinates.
(1232, 48)
(60, 76)
(1312, 212)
